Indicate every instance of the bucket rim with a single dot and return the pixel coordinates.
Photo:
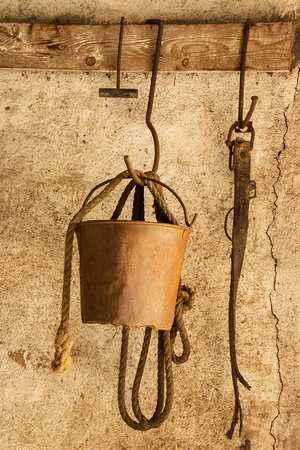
(133, 223)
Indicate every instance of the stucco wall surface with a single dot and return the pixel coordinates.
(58, 140)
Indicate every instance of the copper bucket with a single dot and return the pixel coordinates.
(130, 272)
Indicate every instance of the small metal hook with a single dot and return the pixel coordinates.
(118, 92)
(244, 122)
(120, 53)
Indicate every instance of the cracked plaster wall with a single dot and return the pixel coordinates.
(58, 140)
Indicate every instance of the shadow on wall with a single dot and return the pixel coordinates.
(190, 14)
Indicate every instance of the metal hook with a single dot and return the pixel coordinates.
(120, 53)
(246, 121)
(242, 125)
(118, 92)
(151, 94)
(150, 106)
(254, 99)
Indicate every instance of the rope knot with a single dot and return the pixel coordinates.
(186, 297)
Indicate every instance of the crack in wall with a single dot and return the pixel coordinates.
(297, 83)
(275, 206)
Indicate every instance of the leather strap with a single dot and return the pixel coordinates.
(243, 188)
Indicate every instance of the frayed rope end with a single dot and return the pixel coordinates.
(63, 343)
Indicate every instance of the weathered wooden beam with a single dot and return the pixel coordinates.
(188, 48)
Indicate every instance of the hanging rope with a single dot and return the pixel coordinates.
(166, 355)
(63, 340)
(166, 339)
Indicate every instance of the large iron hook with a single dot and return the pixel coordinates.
(149, 108)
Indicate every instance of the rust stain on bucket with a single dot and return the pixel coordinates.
(130, 272)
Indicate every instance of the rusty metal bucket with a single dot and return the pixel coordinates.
(130, 272)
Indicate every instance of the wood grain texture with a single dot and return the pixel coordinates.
(189, 48)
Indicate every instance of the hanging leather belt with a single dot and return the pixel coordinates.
(244, 190)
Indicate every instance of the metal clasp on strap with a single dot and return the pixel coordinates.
(235, 127)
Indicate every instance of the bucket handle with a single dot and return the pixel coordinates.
(146, 178)
(188, 224)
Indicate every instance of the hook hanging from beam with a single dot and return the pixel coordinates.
(151, 94)
(118, 92)
(242, 123)
(149, 109)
